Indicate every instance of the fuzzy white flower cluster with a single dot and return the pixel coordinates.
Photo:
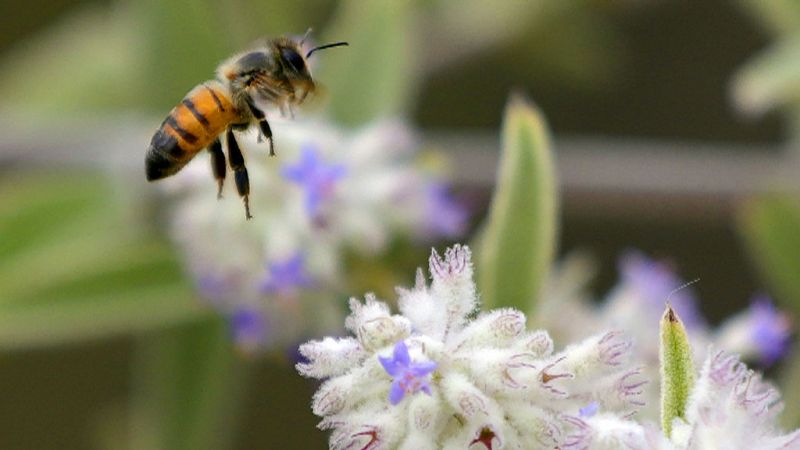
(443, 375)
(327, 191)
(760, 333)
(730, 408)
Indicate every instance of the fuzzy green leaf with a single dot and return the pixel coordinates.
(372, 77)
(677, 372)
(188, 388)
(519, 238)
(770, 227)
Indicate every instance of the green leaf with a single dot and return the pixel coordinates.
(770, 227)
(677, 372)
(372, 77)
(790, 418)
(769, 80)
(182, 46)
(100, 316)
(519, 238)
(188, 388)
(73, 268)
(89, 59)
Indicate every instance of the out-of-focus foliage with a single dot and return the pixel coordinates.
(771, 79)
(791, 391)
(779, 16)
(374, 76)
(88, 61)
(146, 55)
(71, 269)
(518, 243)
(771, 229)
(189, 383)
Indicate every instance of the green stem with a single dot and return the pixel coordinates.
(189, 387)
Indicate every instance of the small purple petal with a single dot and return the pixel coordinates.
(390, 366)
(396, 392)
(426, 388)
(248, 327)
(315, 177)
(401, 355)
(444, 216)
(771, 330)
(421, 369)
(286, 277)
(589, 410)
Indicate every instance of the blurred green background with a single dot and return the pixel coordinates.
(84, 264)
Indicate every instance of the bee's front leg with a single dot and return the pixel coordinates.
(262, 124)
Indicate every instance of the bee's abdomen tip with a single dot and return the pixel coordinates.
(157, 165)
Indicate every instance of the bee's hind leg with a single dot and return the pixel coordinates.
(236, 161)
(262, 124)
(217, 164)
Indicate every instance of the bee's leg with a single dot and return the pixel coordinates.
(263, 124)
(217, 164)
(236, 161)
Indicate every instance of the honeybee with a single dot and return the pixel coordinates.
(275, 74)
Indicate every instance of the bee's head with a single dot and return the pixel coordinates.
(295, 64)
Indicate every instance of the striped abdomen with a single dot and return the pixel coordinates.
(199, 118)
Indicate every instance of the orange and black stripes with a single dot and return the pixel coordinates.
(189, 104)
(215, 97)
(186, 136)
(191, 126)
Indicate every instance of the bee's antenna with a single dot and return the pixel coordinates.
(322, 47)
(685, 285)
(305, 36)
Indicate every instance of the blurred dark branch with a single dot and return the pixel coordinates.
(598, 175)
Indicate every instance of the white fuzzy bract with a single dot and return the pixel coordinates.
(730, 408)
(495, 384)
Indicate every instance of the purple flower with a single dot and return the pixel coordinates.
(248, 327)
(286, 276)
(315, 177)
(655, 282)
(409, 377)
(212, 286)
(770, 330)
(589, 410)
(444, 216)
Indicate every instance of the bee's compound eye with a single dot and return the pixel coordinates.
(294, 59)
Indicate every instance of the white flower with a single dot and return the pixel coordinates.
(327, 191)
(442, 375)
(636, 304)
(731, 407)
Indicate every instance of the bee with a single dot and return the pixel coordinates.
(275, 73)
